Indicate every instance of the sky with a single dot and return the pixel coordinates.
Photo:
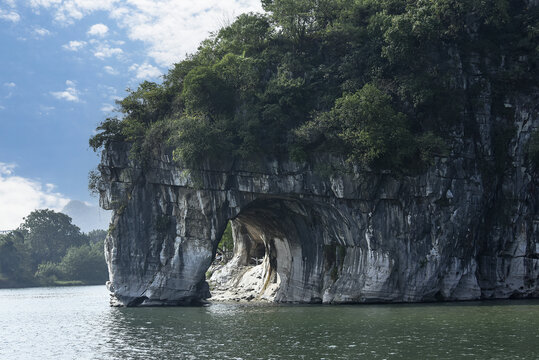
(63, 63)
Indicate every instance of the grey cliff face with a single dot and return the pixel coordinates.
(328, 232)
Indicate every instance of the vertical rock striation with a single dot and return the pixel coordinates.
(328, 232)
(466, 228)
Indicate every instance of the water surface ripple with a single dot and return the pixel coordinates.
(77, 323)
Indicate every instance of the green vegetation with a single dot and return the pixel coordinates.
(47, 249)
(376, 81)
(226, 245)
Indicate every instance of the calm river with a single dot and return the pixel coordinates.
(77, 323)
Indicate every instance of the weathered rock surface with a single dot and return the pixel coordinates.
(467, 228)
(326, 232)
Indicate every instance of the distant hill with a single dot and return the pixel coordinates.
(87, 217)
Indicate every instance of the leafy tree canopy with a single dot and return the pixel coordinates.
(96, 236)
(15, 260)
(47, 249)
(376, 81)
(48, 234)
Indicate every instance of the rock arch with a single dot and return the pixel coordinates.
(297, 265)
(328, 236)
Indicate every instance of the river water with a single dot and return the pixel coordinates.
(77, 323)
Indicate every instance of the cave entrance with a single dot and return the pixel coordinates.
(225, 249)
(264, 238)
(284, 250)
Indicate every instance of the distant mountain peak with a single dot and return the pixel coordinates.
(86, 216)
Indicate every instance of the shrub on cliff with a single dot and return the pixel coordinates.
(266, 82)
(365, 126)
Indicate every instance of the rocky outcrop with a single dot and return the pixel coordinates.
(325, 231)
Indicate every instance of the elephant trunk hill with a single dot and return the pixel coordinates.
(451, 233)
(361, 151)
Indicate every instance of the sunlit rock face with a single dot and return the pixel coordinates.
(324, 231)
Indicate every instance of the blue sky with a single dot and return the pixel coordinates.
(63, 64)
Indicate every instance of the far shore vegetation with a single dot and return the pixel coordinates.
(48, 250)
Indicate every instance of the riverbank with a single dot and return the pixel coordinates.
(58, 283)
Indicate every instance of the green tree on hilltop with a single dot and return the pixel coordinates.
(379, 82)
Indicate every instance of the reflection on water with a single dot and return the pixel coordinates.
(76, 323)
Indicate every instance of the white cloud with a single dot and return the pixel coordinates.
(19, 196)
(110, 70)
(169, 28)
(145, 71)
(109, 90)
(10, 3)
(189, 21)
(45, 3)
(110, 94)
(67, 11)
(9, 16)
(103, 51)
(6, 169)
(10, 84)
(45, 110)
(2, 107)
(74, 45)
(41, 32)
(107, 108)
(69, 94)
(98, 30)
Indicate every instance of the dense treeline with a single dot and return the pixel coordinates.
(376, 81)
(47, 249)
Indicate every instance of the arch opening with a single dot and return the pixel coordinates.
(251, 272)
(279, 253)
